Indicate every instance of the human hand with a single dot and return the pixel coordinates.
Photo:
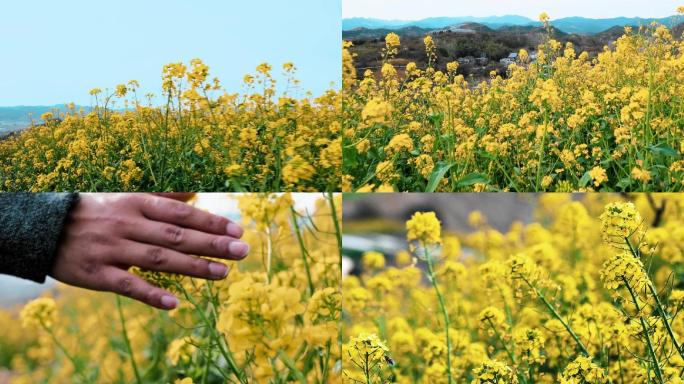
(105, 234)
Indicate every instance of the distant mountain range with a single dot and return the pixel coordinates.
(578, 25)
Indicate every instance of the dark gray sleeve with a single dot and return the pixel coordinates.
(30, 228)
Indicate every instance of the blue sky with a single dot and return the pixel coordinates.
(54, 52)
(420, 9)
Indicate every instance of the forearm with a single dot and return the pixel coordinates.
(30, 229)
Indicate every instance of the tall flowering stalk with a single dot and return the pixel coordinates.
(523, 269)
(659, 306)
(127, 340)
(425, 228)
(41, 313)
(620, 222)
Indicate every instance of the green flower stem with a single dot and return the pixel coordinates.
(208, 358)
(663, 316)
(269, 254)
(622, 378)
(127, 341)
(338, 230)
(558, 317)
(445, 313)
(207, 364)
(540, 154)
(219, 369)
(303, 250)
(61, 347)
(366, 370)
(659, 306)
(649, 343)
(326, 362)
(215, 336)
(498, 337)
(291, 365)
(508, 351)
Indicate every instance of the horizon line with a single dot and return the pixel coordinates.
(510, 14)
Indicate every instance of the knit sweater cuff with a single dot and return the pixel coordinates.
(30, 228)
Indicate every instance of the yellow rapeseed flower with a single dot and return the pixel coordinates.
(494, 372)
(392, 40)
(424, 227)
(181, 350)
(623, 269)
(583, 370)
(544, 17)
(619, 221)
(366, 349)
(399, 143)
(376, 111)
(41, 312)
(373, 260)
(598, 175)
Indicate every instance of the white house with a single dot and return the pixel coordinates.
(512, 57)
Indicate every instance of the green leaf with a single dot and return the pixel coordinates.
(436, 120)
(472, 179)
(437, 175)
(663, 149)
(235, 185)
(350, 157)
(624, 183)
(585, 179)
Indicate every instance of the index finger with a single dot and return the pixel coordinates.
(175, 212)
(178, 196)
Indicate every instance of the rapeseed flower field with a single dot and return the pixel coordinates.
(590, 291)
(201, 139)
(562, 122)
(274, 319)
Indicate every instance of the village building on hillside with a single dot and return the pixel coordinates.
(512, 57)
(482, 60)
(465, 60)
(457, 29)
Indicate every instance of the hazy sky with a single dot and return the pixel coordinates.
(56, 51)
(227, 205)
(420, 9)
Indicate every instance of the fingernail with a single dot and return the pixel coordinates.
(238, 248)
(169, 302)
(218, 270)
(234, 230)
